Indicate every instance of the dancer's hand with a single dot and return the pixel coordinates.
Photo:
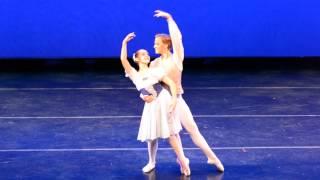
(129, 37)
(148, 99)
(172, 105)
(159, 13)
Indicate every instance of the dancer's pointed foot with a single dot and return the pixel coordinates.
(186, 170)
(217, 163)
(184, 167)
(149, 167)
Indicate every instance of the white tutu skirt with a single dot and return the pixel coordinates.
(156, 121)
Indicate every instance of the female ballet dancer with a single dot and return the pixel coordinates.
(173, 65)
(156, 121)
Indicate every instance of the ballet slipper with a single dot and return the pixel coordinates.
(216, 163)
(183, 171)
(149, 167)
(187, 171)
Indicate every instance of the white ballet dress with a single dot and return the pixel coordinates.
(156, 121)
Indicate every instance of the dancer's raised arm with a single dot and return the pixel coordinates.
(175, 34)
(124, 54)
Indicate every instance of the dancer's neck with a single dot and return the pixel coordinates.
(143, 67)
(165, 56)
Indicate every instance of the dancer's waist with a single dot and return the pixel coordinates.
(156, 87)
(179, 89)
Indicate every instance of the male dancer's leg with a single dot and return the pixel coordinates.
(178, 149)
(185, 116)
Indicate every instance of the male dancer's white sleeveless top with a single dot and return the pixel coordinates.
(172, 71)
(174, 65)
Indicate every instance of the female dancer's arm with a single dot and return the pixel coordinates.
(124, 55)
